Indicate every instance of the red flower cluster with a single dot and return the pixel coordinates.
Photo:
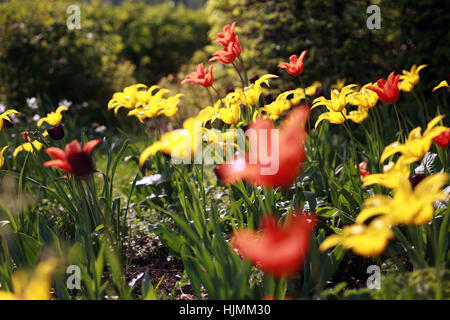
(443, 139)
(200, 76)
(295, 65)
(231, 47)
(387, 91)
(73, 159)
(276, 249)
(286, 153)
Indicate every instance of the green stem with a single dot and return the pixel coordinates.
(239, 73)
(398, 122)
(210, 97)
(244, 69)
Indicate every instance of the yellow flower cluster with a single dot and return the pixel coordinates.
(409, 205)
(145, 102)
(364, 99)
(183, 143)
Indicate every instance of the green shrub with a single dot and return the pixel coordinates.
(115, 47)
(336, 36)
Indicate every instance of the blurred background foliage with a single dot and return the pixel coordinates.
(115, 47)
(336, 36)
(123, 42)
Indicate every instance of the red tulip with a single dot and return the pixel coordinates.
(443, 139)
(295, 65)
(231, 46)
(362, 170)
(228, 54)
(227, 36)
(275, 156)
(73, 159)
(200, 76)
(387, 90)
(276, 249)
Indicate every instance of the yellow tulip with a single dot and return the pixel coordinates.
(170, 106)
(392, 173)
(411, 78)
(275, 109)
(223, 139)
(2, 159)
(405, 85)
(282, 103)
(408, 206)
(358, 115)
(53, 118)
(29, 146)
(294, 97)
(4, 116)
(364, 240)
(180, 143)
(231, 113)
(340, 83)
(338, 99)
(333, 117)
(209, 114)
(442, 84)
(128, 98)
(365, 98)
(311, 90)
(250, 95)
(32, 286)
(416, 145)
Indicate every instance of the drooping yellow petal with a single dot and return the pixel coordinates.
(442, 84)
(4, 116)
(2, 159)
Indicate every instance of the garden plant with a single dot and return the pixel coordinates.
(282, 186)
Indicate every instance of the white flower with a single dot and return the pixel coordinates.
(32, 103)
(2, 108)
(65, 102)
(100, 129)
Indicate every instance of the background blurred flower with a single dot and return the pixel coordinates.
(411, 78)
(339, 84)
(32, 103)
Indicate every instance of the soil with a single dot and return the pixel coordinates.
(159, 263)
